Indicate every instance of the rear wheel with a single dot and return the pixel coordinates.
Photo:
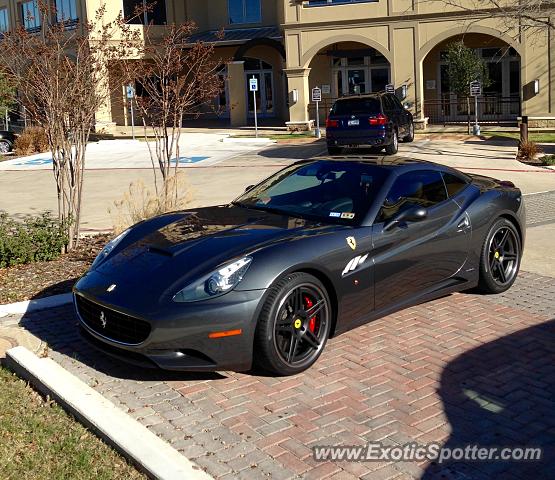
(393, 147)
(293, 326)
(4, 146)
(500, 259)
(409, 137)
(334, 150)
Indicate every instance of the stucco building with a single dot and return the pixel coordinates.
(345, 47)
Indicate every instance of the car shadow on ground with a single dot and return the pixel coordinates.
(501, 394)
(59, 329)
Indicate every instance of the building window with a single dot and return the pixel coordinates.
(358, 74)
(244, 11)
(66, 11)
(156, 14)
(4, 24)
(318, 3)
(30, 15)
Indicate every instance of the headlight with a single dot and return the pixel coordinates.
(216, 283)
(108, 249)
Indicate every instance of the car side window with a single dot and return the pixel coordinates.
(387, 105)
(424, 188)
(454, 183)
(397, 103)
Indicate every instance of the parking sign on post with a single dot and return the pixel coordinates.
(476, 91)
(130, 93)
(317, 97)
(253, 87)
(390, 88)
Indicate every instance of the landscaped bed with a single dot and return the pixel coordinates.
(40, 441)
(42, 279)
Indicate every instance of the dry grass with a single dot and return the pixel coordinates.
(32, 140)
(141, 202)
(528, 151)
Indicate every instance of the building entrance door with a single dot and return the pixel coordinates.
(263, 72)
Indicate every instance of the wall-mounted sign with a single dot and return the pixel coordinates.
(430, 84)
(326, 89)
(390, 88)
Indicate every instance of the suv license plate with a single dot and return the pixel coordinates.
(351, 123)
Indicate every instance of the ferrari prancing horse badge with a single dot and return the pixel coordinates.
(351, 241)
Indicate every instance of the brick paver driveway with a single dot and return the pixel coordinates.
(464, 368)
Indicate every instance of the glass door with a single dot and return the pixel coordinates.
(264, 96)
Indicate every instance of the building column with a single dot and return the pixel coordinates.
(103, 121)
(237, 91)
(299, 97)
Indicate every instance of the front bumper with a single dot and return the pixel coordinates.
(179, 333)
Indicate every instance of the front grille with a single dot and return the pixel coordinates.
(111, 324)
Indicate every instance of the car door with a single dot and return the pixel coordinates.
(413, 257)
(403, 115)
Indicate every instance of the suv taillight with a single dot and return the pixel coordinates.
(332, 123)
(380, 119)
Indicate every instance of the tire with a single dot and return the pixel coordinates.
(500, 257)
(335, 150)
(393, 147)
(410, 136)
(5, 146)
(284, 327)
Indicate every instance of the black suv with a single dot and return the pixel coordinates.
(7, 139)
(378, 120)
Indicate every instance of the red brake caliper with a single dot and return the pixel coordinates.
(312, 321)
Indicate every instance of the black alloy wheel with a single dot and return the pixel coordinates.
(294, 325)
(500, 257)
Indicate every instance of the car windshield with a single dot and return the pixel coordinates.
(328, 191)
(354, 106)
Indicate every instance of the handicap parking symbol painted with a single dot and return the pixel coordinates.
(190, 159)
(34, 162)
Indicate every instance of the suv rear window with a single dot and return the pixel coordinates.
(354, 106)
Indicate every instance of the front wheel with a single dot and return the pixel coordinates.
(393, 147)
(409, 137)
(4, 146)
(500, 258)
(293, 326)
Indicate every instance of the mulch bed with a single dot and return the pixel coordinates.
(42, 279)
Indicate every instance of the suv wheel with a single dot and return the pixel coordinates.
(5, 147)
(393, 147)
(410, 135)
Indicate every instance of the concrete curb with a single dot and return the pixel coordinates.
(249, 140)
(29, 306)
(133, 440)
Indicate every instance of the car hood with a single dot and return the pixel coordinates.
(194, 243)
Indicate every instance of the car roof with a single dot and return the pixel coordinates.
(378, 160)
(362, 96)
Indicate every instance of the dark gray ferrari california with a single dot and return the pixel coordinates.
(319, 248)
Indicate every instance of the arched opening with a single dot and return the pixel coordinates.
(500, 101)
(347, 68)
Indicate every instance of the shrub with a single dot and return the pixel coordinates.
(528, 151)
(548, 160)
(32, 140)
(140, 203)
(36, 238)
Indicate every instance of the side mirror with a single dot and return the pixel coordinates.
(413, 214)
(250, 187)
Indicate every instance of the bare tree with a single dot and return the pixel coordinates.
(61, 77)
(516, 15)
(175, 79)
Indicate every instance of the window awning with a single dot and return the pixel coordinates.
(236, 36)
